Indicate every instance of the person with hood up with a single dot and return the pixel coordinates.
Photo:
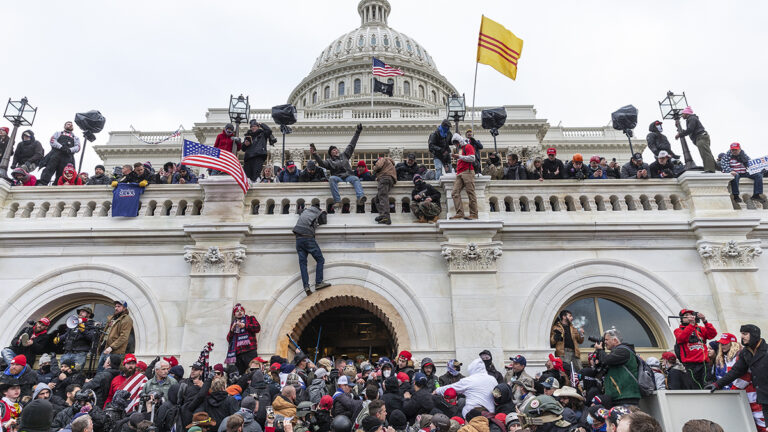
(502, 398)
(452, 374)
(4, 140)
(700, 138)
(440, 146)
(225, 140)
(101, 382)
(753, 358)
(36, 417)
(386, 177)
(69, 177)
(64, 145)
(493, 167)
(658, 373)
(657, 141)
(420, 402)
(255, 147)
(363, 173)
(487, 358)
(340, 170)
(184, 176)
(99, 177)
(426, 201)
(29, 152)
(319, 386)
(214, 400)
(312, 174)
(392, 399)
(247, 408)
(428, 369)
(477, 387)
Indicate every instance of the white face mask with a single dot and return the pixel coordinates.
(659, 128)
(387, 373)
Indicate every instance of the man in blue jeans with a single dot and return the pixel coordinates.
(736, 163)
(340, 169)
(309, 219)
(440, 147)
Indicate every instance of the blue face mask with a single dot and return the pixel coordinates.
(443, 131)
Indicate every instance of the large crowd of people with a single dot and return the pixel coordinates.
(451, 152)
(339, 394)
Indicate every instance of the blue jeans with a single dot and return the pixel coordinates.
(334, 181)
(308, 246)
(79, 359)
(439, 168)
(758, 178)
(8, 355)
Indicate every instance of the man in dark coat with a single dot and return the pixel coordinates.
(102, 380)
(77, 341)
(340, 169)
(312, 174)
(662, 167)
(99, 177)
(552, 167)
(657, 141)
(30, 341)
(426, 201)
(28, 152)
(20, 373)
(255, 146)
(753, 358)
(408, 168)
(64, 145)
(343, 404)
(420, 402)
(485, 355)
(700, 138)
(440, 147)
(391, 397)
(635, 168)
(736, 163)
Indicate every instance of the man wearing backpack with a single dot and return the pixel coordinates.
(691, 347)
(621, 378)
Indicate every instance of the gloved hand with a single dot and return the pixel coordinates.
(359, 128)
(81, 327)
(334, 374)
(558, 336)
(710, 387)
(143, 183)
(114, 184)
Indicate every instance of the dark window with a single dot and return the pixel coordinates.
(341, 88)
(598, 314)
(356, 86)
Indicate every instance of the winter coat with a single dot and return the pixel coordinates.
(515, 172)
(444, 407)
(312, 177)
(27, 151)
(162, 387)
(620, 380)
(76, 378)
(406, 172)
(693, 128)
(27, 180)
(572, 172)
(725, 162)
(309, 219)
(440, 146)
(287, 177)
(656, 169)
(593, 172)
(657, 141)
(40, 344)
(226, 143)
(134, 177)
(385, 167)
(391, 397)
(629, 170)
(478, 146)
(190, 178)
(676, 378)
(75, 180)
(477, 424)
(100, 383)
(317, 390)
(252, 327)
(118, 331)
(220, 405)
(99, 179)
(549, 167)
(64, 418)
(255, 143)
(420, 402)
(283, 406)
(343, 404)
(502, 397)
(425, 190)
(448, 379)
(76, 341)
(477, 388)
(339, 165)
(558, 341)
(493, 171)
(365, 175)
(27, 379)
(691, 342)
(249, 422)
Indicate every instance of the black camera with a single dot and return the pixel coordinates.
(596, 340)
(579, 175)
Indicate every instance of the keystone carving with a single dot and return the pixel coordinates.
(396, 153)
(214, 260)
(730, 255)
(526, 152)
(471, 258)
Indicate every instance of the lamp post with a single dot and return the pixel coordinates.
(671, 107)
(239, 110)
(19, 113)
(456, 109)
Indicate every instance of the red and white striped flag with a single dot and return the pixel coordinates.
(204, 156)
(384, 70)
(574, 377)
(134, 385)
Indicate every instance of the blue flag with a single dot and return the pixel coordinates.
(125, 200)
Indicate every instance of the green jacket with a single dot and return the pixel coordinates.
(153, 385)
(620, 380)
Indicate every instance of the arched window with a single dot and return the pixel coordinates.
(338, 47)
(356, 86)
(361, 41)
(385, 41)
(408, 46)
(398, 44)
(349, 43)
(373, 40)
(314, 97)
(596, 314)
(421, 91)
(327, 92)
(407, 88)
(304, 102)
(434, 96)
(341, 88)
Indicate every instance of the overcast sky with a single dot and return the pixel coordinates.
(158, 64)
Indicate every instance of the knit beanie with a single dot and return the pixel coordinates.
(37, 416)
(397, 420)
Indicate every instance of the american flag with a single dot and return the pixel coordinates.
(134, 385)
(200, 155)
(574, 377)
(384, 70)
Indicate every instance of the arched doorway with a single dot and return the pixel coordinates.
(347, 331)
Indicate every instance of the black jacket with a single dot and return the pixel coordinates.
(693, 128)
(756, 361)
(425, 190)
(135, 178)
(255, 143)
(515, 172)
(40, 345)
(420, 403)
(478, 146)
(101, 382)
(28, 151)
(27, 380)
(446, 408)
(657, 141)
(104, 179)
(405, 171)
(657, 168)
(64, 417)
(572, 172)
(549, 167)
(439, 146)
(75, 341)
(339, 166)
(629, 170)
(60, 390)
(343, 404)
(219, 405)
(312, 177)
(502, 399)
(391, 397)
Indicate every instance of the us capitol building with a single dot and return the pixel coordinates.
(624, 254)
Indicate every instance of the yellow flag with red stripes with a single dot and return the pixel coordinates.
(498, 47)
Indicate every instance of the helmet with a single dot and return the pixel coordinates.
(341, 423)
(304, 408)
(578, 157)
(541, 410)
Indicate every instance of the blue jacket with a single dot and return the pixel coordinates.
(287, 177)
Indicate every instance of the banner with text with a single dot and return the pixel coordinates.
(758, 164)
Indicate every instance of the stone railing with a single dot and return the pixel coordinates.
(507, 200)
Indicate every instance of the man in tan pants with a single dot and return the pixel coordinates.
(465, 178)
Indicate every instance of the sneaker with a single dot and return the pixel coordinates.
(386, 221)
(307, 290)
(758, 198)
(23, 339)
(736, 198)
(321, 285)
(378, 218)
(336, 208)
(362, 200)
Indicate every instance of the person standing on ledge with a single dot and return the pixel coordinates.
(242, 338)
(309, 219)
(465, 178)
(700, 137)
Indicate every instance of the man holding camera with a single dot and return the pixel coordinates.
(662, 167)
(691, 346)
(29, 342)
(620, 379)
(465, 178)
(255, 147)
(635, 168)
(565, 339)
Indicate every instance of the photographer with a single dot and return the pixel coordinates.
(255, 145)
(620, 379)
(84, 399)
(565, 339)
(691, 346)
(64, 145)
(663, 167)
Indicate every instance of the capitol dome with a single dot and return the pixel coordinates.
(341, 75)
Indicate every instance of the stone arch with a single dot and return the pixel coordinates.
(633, 284)
(353, 284)
(83, 282)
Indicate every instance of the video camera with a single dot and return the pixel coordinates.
(154, 396)
(596, 340)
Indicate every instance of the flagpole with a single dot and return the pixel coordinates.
(372, 78)
(474, 87)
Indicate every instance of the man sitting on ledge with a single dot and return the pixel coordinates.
(340, 170)
(735, 162)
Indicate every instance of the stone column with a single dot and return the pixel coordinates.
(297, 156)
(471, 255)
(481, 185)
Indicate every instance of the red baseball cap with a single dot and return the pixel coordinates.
(459, 420)
(129, 358)
(669, 355)
(450, 393)
(735, 146)
(45, 321)
(405, 354)
(274, 367)
(594, 159)
(403, 377)
(727, 338)
(260, 360)
(141, 365)
(551, 150)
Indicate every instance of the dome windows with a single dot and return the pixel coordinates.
(349, 43)
(304, 102)
(421, 91)
(418, 51)
(361, 41)
(398, 44)
(385, 41)
(407, 88)
(434, 96)
(341, 88)
(327, 92)
(338, 47)
(356, 86)
(314, 97)
(373, 40)
(408, 46)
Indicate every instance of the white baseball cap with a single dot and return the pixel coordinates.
(662, 154)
